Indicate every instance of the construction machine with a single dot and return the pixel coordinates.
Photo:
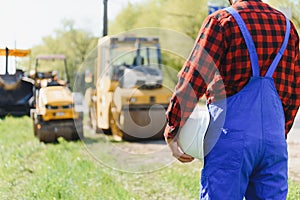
(55, 114)
(128, 99)
(16, 90)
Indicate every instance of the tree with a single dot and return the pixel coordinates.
(185, 16)
(145, 14)
(74, 43)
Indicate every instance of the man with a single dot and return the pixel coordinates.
(55, 81)
(252, 108)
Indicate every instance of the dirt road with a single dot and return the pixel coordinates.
(154, 155)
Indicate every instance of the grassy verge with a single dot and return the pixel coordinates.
(32, 170)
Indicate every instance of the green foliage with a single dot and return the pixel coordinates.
(127, 19)
(185, 16)
(74, 43)
(294, 190)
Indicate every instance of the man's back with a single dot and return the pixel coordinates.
(250, 149)
(267, 28)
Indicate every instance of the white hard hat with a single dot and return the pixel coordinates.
(192, 133)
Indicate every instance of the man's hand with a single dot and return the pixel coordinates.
(177, 153)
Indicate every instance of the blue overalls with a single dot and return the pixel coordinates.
(245, 148)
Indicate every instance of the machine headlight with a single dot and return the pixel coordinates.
(68, 106)
(51, 107)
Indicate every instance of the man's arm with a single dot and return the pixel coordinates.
(193, 79)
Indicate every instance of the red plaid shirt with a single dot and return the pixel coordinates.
(219, 64)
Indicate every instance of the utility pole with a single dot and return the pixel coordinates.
(105, 18)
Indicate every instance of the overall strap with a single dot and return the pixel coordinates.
(248, 40)
(282, 49)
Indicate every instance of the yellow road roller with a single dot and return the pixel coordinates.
(128, 99)
(55, 114)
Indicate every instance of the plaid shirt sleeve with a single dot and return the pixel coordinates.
(292, 107)
(198, 70)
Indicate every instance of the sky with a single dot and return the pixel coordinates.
(23, 23)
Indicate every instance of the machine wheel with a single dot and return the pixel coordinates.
(106, 131)
(41, 132)
(130, 138)
(77, 135)
(78, 130)
(40, 135)
(45, 136)
(115, 131)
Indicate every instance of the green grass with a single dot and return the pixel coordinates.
(32, 170)
(294, 191)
